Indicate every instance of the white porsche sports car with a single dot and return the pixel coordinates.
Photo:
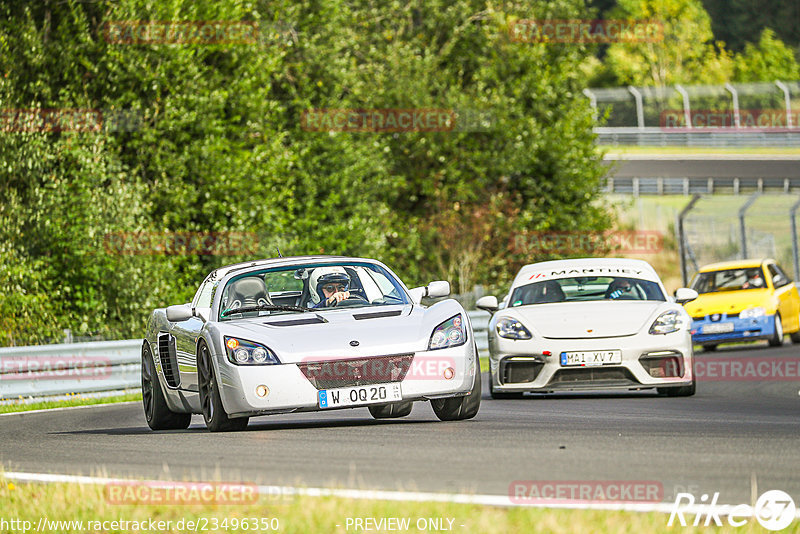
(307, 334)
(597, 323)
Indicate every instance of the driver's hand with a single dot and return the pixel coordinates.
(338, 297)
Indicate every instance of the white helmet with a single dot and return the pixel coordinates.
(325, 274)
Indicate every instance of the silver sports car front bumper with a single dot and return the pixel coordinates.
(292, 387)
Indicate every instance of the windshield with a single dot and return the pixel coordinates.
(729, 280)
(585, 288)
(300, 288)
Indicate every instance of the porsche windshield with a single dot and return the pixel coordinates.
(730, 280)
(298, 288)
(586, 288)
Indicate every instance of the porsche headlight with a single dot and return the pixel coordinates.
(512, 329)
(752, 313)
(666, 323)
(450, 333)
(242, 352)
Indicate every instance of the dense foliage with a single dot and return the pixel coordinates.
(215, 143)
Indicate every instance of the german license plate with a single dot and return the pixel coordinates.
(590, 358)
(359, 395)
(717, 328)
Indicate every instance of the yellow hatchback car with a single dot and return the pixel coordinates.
(744, 300)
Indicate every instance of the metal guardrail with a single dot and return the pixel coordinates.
(689, 186)
(50, 370)
(98, 366)
(657, 137)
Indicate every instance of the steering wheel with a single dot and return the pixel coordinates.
(353, 300)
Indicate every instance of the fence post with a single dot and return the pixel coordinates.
(735, 97)
(742, 228)
(795, 258)
(639, 106)
(682, 236)
(687, 112)
(787, 98)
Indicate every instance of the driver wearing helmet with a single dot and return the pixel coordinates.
(330, 286)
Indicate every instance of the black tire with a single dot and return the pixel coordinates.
(711, 347)
(501, 395)
(777, 338)
(460, 408)
(156, 411)
(795, 337)
(214, 414)
(390, 411)
(681, 391)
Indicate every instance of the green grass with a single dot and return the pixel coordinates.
(77, 400)
(30, 502)
(611, 149)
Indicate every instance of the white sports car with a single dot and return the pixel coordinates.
(306, 334)
(599, 323)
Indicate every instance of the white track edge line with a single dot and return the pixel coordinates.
(62, 408)
(485, 500)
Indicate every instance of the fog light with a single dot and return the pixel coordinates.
(262, 390)
(449, 373)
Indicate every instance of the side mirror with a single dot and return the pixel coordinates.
(487, 303)
(179, 313)
(684, 295)
(439, 288)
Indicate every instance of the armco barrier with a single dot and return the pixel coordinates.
(48, 370)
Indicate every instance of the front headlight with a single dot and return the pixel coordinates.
(512, 329)
(450, 333)
(666, 323)
(243, 352)
(752, 313)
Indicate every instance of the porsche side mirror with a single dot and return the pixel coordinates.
(487, 303)
(684, 295)
(179, 312)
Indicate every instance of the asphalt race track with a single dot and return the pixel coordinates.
(739, 438)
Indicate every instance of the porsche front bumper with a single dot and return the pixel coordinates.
(647, 361)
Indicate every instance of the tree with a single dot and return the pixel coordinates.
(768, 60)
(687, 55)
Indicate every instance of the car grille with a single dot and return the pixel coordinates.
(517, 370)
(357, 372)
(593, 374)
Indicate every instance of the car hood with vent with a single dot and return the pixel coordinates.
(342, 333)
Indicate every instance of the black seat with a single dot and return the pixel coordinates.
(250, 291)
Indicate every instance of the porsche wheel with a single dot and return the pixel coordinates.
(681, 391)
(460, 408)
(777, 338)
(389, 411)
(156, 411)
(213, 413)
